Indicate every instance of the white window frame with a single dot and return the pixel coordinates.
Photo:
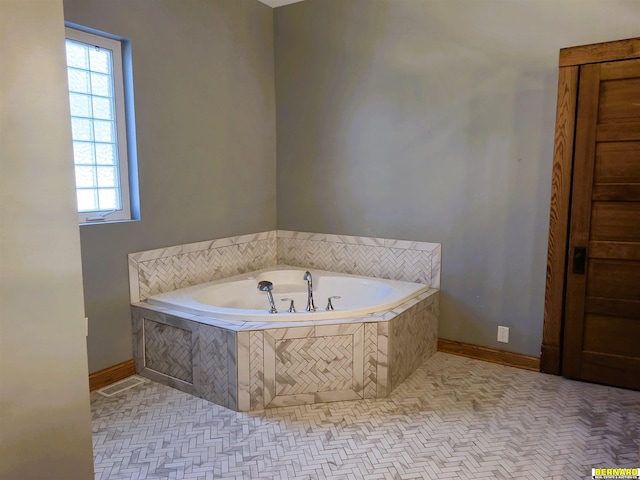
(115, 46)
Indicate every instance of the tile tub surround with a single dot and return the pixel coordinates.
(417, 262)
(165, 269)
(255, 365)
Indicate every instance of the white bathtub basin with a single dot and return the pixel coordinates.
(239, 298)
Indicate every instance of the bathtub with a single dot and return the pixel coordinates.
(218, 340)
(238, 298)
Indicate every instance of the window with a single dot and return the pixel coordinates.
(98, 126)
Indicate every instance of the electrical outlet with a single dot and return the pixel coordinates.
(503, 334)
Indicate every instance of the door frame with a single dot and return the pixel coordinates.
(557, 255)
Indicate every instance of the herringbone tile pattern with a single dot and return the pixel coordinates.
(256, 370)
(309, 365)
(316, 254)
(372, 261)
(413, 337)
(184, 270)
(214, 364)
(168, 350)
(370, 379)
(163, 270)
(453, 418)
(402, 264)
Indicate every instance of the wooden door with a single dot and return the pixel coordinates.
(602, 316)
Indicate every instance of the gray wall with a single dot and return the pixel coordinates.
(205, 113)
(45, 422)
(425, 120)
(433, 120)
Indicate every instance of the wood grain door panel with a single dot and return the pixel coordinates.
(602, 302)
(619, 100)
(617, 370)
(607, 249)
(618, 132)
(617, 162)
(615, 221)
(600, 329)
(616, 279)
(613, 307)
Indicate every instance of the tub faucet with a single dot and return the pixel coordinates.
(292, 307)
(311, 307)
(329, 304)
(266, 287)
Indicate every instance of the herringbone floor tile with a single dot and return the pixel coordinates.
(453, 418)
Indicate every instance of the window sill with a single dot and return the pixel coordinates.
(109, 222)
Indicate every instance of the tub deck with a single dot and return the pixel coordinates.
(255, 365)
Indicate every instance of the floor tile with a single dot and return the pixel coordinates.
(453, 418)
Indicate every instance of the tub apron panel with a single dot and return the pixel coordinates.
(249, 368)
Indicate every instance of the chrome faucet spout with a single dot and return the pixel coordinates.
(311, 307)
(267, 287)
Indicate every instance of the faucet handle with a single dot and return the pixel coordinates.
(329, 304)
(292, 308)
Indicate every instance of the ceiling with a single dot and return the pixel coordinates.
(278, 3)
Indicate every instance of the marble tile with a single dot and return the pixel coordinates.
(168, 350)
(436, 265)
(321, 237)
(244, 371)
(137, 328)
(277, 325)
(232, 370)
(413, 338)
(170, 268)
(349, 328)
(412, 266)
(154, 254)
(196, 357)
(200, 246)
(314, 364)
(242, 239)
(358, 357)
(370, 360)
(351, 240)
(292, 400)
(411, 245)
(176, 383)
(292, 332)
(134, 283)
(156, 276)
(184, 269)
(366, 260)
(311, 253)
(269, 368)
(455, 417)
(252, 380)
(186, 352)
(382, 366)
(215, 372)
(215, 322)
(336, 396)
(256, 359)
